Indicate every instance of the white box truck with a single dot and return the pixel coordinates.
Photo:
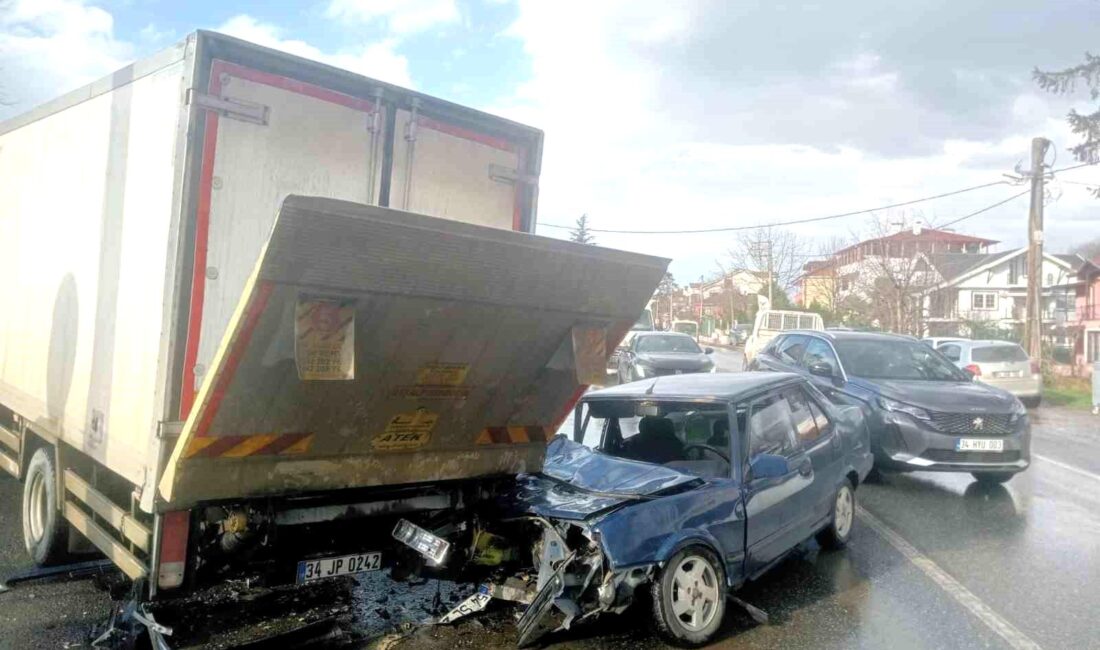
(258, 309)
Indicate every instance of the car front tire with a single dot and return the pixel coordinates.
(843, 519)
(45, 532)
(993, 478)
(689, 597)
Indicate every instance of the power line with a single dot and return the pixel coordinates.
(985, 209)
(786, 223)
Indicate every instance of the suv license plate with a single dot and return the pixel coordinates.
(978, 444)
(330, 567)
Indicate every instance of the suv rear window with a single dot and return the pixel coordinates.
(998, 353)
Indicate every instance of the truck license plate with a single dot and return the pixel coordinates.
(978, 444)
(330, 567)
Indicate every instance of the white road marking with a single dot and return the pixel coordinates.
(1067, 467)
(1007, 631)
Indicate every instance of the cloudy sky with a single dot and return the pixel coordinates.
(672, 114)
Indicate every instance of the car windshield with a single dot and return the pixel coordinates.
(998, 354)
(668, 343)
(892, 359)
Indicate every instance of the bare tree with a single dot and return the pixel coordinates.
(891, 278)
(776, 253)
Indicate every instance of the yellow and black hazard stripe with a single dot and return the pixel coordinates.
(511, 435)
(271, 444)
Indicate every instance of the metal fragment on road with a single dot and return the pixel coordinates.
(757, 614)
(477, 602)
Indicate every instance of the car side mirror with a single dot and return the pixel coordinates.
(708, 350)
(821, 369)
(769, 466)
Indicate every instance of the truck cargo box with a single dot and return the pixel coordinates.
(134, 210)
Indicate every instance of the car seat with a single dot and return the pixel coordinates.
(656, 441)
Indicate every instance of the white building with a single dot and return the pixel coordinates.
(992, 289)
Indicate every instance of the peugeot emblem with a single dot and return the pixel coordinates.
(979, 424)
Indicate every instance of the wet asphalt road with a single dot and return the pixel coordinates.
(935, 562)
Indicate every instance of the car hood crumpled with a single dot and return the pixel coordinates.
(577, 482)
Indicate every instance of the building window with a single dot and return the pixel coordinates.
(983, 301)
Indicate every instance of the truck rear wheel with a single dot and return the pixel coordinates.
(45, 532)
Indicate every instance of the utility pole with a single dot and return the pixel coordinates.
(1033, 325)
(771, 305)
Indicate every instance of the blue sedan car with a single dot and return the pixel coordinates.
(690, 485)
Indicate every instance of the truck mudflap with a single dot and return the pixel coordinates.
(376, 347)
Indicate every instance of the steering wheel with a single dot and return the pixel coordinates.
(714, 450)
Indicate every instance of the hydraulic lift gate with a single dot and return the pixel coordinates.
(376, 347)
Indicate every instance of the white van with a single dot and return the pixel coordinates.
(771, 322)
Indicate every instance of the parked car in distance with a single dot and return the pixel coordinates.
(924, 413)
(740, 333)
(999, 363)
(935, 342)
(689, 487)
(643, 324)
(653, 354)
(772, 322)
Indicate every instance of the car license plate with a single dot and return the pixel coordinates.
(979, 444)
(1005, 374)
(330, 567)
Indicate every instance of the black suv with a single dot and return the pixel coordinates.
(924, 413)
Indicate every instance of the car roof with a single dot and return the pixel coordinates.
(664, 333)
(725, 386)
(987, 343)
(852, 335)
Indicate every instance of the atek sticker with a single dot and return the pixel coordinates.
(406, 431)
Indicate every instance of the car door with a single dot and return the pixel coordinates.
(774, 506)
(818, 439)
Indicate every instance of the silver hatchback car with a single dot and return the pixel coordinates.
(998, 363)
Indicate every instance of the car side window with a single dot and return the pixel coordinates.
(790, 351)
(805, 424)
(770, 428)
(818, 351)
(773, 345)
(952, 352)
(824, 424)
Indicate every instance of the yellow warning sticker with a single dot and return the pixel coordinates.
(406, 431)
(324, 339)
(442, 374)
(431, 392)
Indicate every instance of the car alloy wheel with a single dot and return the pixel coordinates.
(845, 511)
(836, 534)
(689, 597)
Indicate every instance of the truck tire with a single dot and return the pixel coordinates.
(689, 597)
(45, 531)
(843, 519)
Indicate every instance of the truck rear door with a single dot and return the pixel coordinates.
(376, 347)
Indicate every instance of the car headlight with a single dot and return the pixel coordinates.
(900, 407)
(1018, 410)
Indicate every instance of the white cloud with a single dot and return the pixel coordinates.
(379, 60)
(619, 149)
(399, 16)
(49, 47)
